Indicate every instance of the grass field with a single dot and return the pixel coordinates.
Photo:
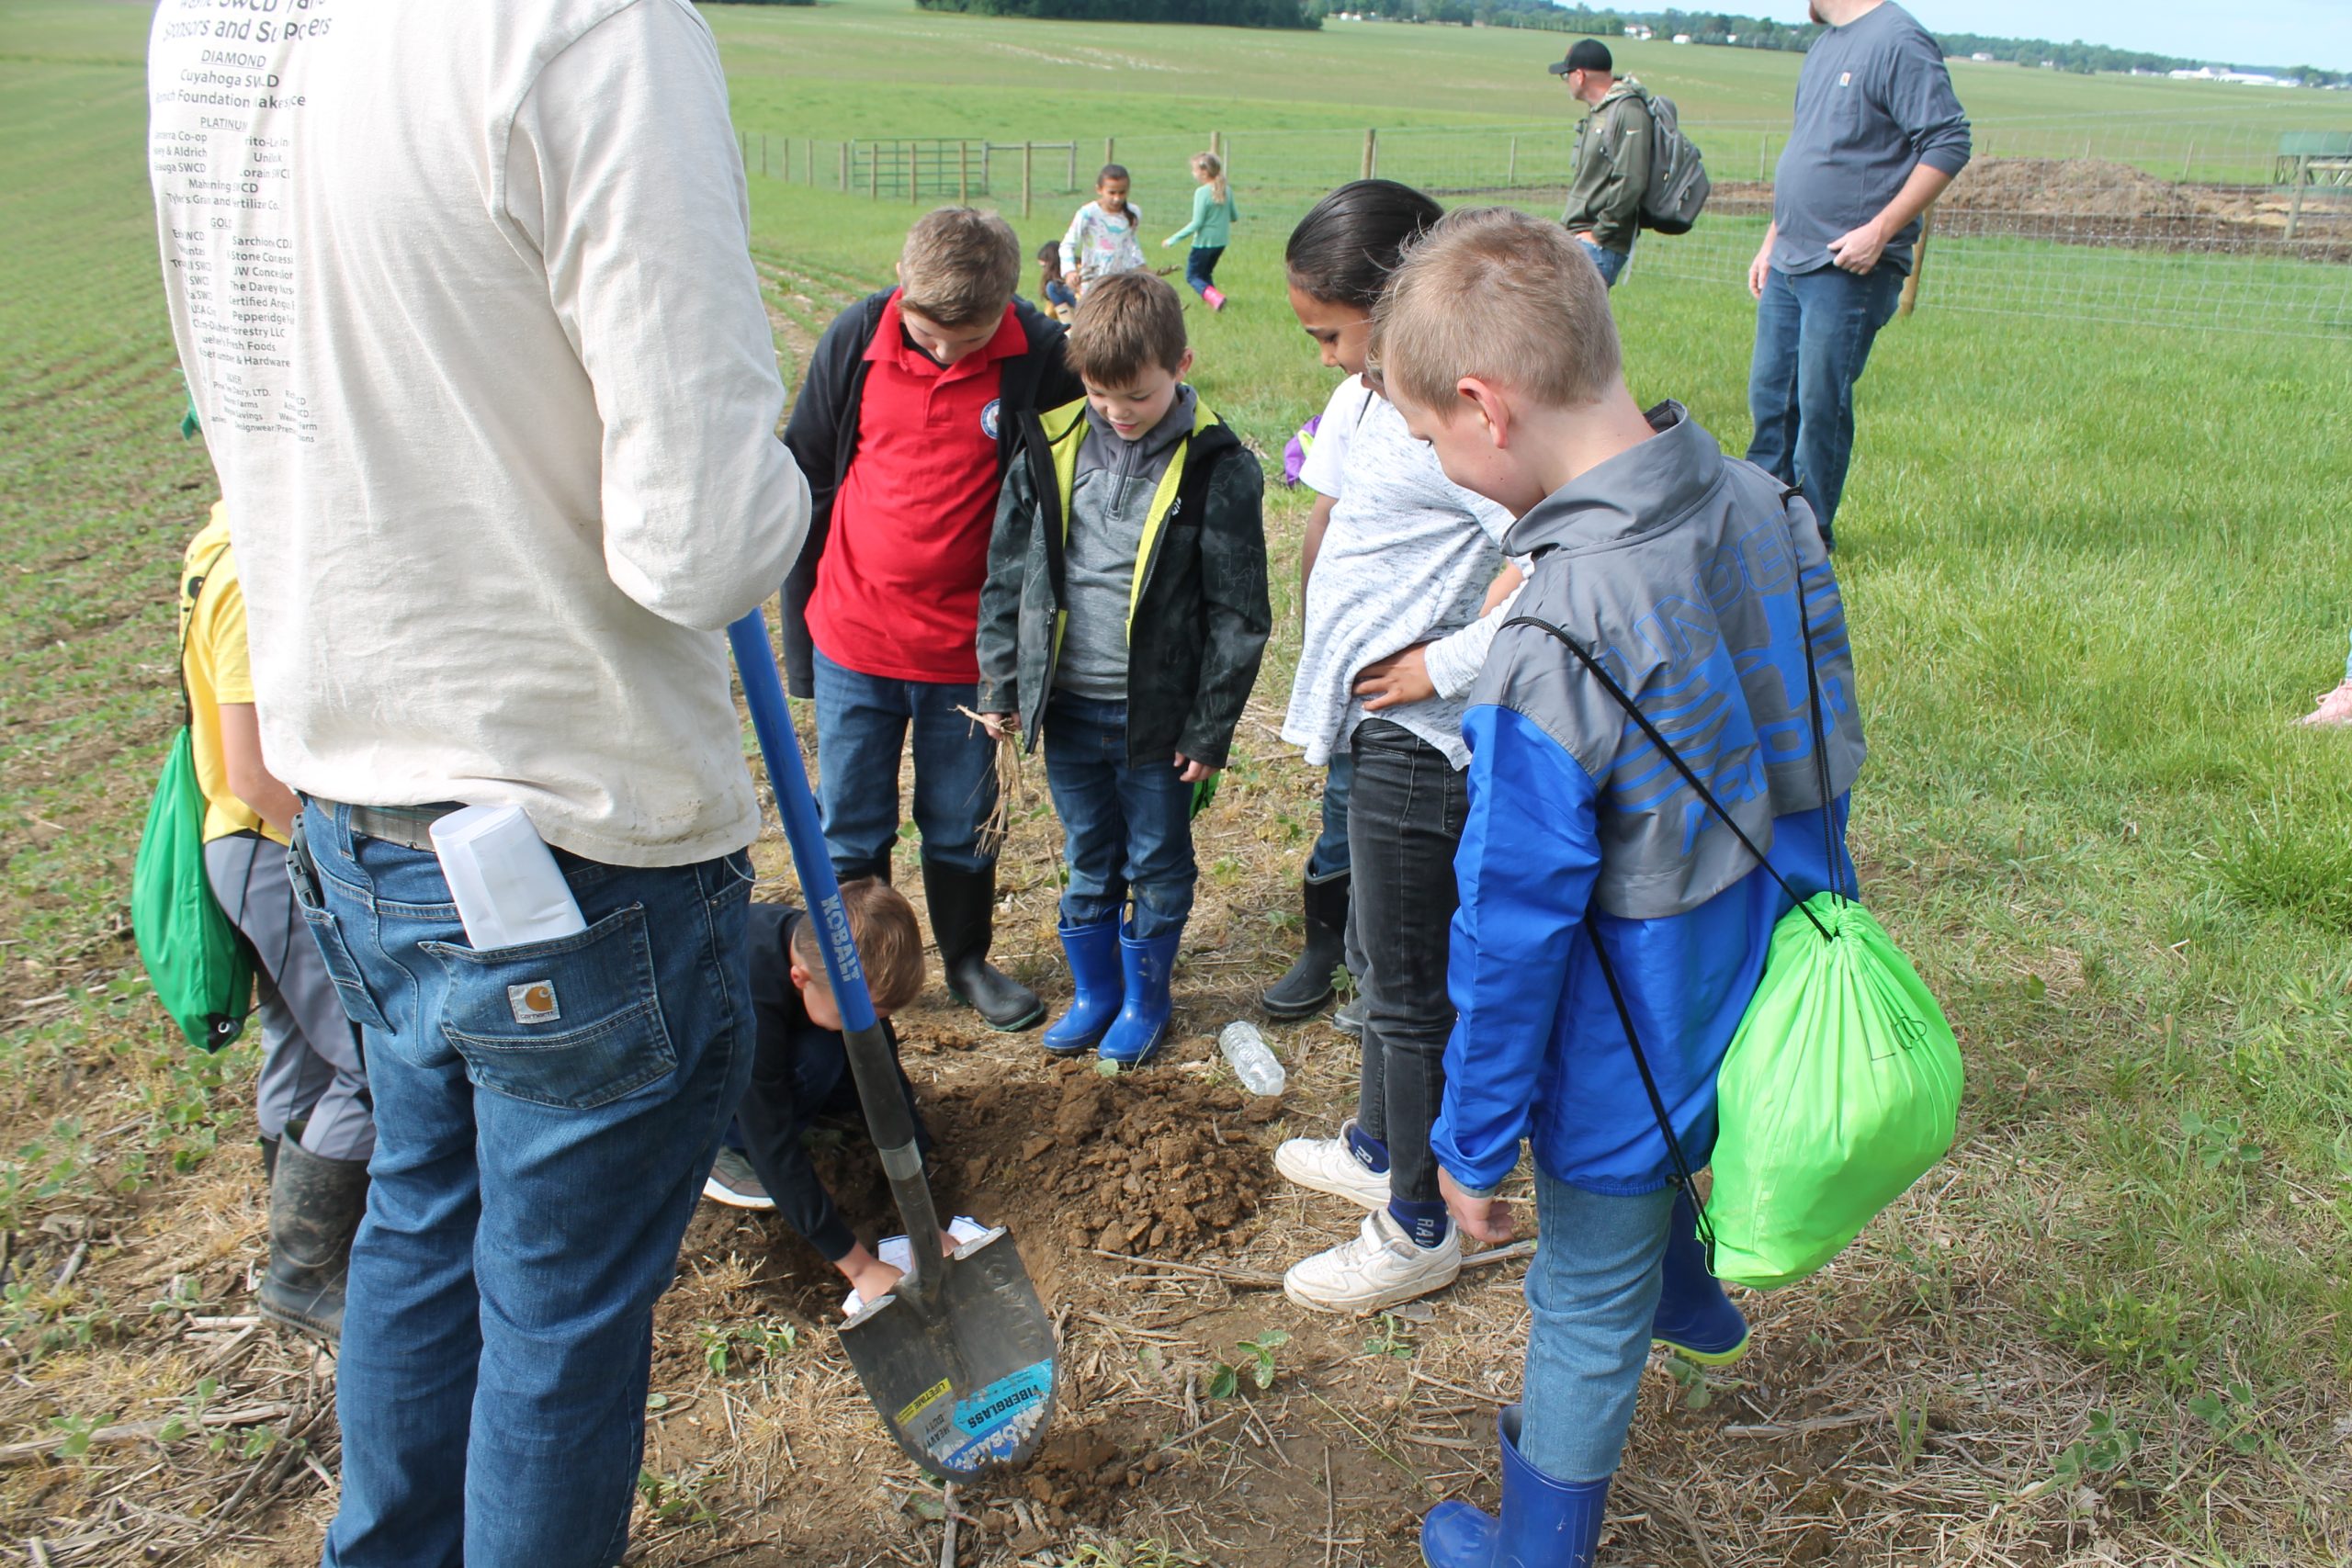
(2092, 573)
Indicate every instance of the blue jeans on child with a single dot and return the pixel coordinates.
(1200, 267)
(1125, 829)
(1813, 332)
(1059, 293)
(531, 1183)
(1591, 1293)
(1329, 858)
(1611, 263)
(862, 727)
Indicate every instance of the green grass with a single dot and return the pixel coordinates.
(2093, 571)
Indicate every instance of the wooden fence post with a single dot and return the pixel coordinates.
(963, 173)
(1028, 163)
(873, 174)
(1110, 149)
(1069, 181)
(1510, 171)
(2301, 171)
(809, 164)
(914, 175)
(1918, 262)
(846, 148)
(764, 154)
(1370, 153)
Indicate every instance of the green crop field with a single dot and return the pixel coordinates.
(2093, 572)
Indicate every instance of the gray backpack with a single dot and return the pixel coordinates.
(1679, 185)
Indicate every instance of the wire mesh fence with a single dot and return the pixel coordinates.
(2140, 219)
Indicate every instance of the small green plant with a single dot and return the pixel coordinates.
(1392, 1339)
(189, 1418)
(2233, 1416)
(1258, 1363)
(2104, 1447)
(1691, 1378)
(2218, 1142)
(676, 1500)
(735, 1343)
(1910, 1435)
(78, 1430)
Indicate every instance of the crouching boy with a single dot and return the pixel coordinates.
(801, 1069)
(1693, 580)
(1125, 614)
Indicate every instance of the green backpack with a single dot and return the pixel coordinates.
(199, 965)
(1841, 1086)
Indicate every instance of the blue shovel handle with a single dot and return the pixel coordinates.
(887, 1116)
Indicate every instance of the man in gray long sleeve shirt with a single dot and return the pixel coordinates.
(1878, 136)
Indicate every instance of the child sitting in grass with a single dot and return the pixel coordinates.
(1125, 614)
(1101, 239)
(1597, 886)
(801, 1068)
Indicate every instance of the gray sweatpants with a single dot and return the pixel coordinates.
(310, 1067)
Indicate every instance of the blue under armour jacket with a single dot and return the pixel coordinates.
(1677, 569)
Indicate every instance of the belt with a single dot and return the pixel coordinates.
(408, 826)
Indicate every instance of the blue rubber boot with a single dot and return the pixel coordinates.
(1695, 1319)
(1096, 990)
(1143, 1018)
(1544, 1523)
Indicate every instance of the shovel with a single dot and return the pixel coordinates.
(959, 1358)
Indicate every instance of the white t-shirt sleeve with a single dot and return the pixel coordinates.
(1456, 660)
(1327, 459)
(624, 135)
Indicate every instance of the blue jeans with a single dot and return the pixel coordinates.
(1059, 293)
(1813, 332)
(529, 1193)
(1611, 263)
(861, 725)
(1329, 858)
(1125, 829)
(1200, 267)
(1591, 1293)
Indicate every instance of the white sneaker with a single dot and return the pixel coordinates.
(1328, 1165)
(1379, 1269)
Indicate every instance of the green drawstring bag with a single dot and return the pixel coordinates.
(1841, 1089)
(202, 969)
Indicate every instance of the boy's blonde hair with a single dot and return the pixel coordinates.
(959, 266)
(1126, 324)
(890, 943)
(1502, 295)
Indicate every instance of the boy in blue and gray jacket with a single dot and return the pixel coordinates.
(1680, 573)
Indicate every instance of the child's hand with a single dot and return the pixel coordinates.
(867, 1275)
(1400, 678)
(1484, 1218)
(1165, 244)
(997, 724)
(1193, 771)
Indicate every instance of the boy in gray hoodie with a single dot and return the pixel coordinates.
(1125, 614)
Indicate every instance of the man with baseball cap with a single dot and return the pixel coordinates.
(1612, 160)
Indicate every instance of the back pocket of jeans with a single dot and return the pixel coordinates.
(572, 1024)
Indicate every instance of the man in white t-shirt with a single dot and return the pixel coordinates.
(464, 297)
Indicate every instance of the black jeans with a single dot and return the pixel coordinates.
(1405, 816)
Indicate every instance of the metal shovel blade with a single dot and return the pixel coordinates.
(959, 1356)
(967, 1380)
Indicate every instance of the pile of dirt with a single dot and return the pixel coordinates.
(2082, 187)
(1162, 1164)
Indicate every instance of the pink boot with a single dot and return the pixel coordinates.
(1215, 296)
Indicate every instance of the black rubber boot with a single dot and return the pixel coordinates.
(268, 1159)
(314, 1207)
(963, 917)
(1308, 986)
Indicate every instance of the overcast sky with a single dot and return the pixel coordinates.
(2269, 32)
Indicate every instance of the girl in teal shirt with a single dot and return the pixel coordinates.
(1212, 225)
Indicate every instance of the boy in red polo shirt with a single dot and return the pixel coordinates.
(904, 425)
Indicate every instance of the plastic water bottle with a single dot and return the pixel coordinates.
(1253, 1062)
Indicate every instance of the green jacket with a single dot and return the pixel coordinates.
(1612, 167)
(1211, 224)
(1197, 614)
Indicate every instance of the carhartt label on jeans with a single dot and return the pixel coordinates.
(533, 1002)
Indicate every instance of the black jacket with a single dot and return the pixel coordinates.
(822, 436)
(1200, 622)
